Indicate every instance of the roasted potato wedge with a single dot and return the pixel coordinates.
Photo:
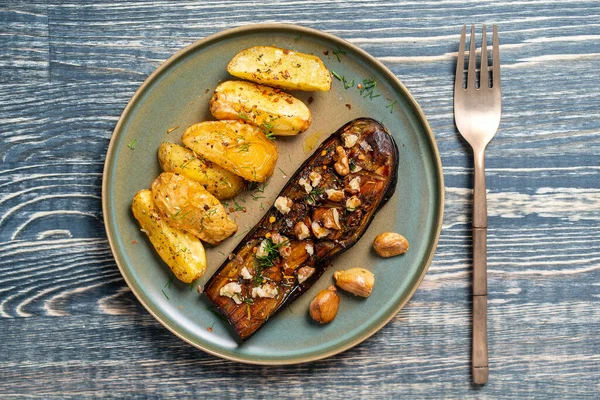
(218, 181)
(182, 252)
(272, 110)
(186, 205)
(240, 148)
(281, 68)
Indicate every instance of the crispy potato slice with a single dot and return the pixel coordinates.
(186, 205)
(182, 252)
(218, 181)
(281, 68)
(270, 109)
(240, 148)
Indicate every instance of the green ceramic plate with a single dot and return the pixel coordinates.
(177, 95)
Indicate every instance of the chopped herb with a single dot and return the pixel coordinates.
(226, 204)
(168, 284)
(336, 75)
(179, 215)
(351, 164)
(262, 207)
(221, 252)
(367, 89)
(243, 116)
(314, 193)
(237, 206)
(244, 147)
(210, 328)
(261, 189)
(132, 144)
(298, 65)
(185, 164)
(210, 213)
(272, 250)
(257, 197)
(339, 52)
(165, 294)
(266, 128)
(347, 85)
(298, 38)
(282, 171)
(391, 105)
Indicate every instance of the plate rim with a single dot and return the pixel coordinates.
(438, 170)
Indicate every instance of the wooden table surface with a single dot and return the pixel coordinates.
(71, 328)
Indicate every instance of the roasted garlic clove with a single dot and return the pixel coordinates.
(389, 244)
(324, 306)
(357, 281)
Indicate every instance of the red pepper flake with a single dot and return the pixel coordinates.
(290, 101)
(326, 52)
(207, 90)
(134, 242)
(180, 307)
(286, 52)
(359, 86)
(310, 100)
(276, 99)
(349, 106)
(230, 209)
(209, 329)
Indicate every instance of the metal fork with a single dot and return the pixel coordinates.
(477, 113)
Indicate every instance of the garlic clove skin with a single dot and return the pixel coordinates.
(357, 281)
(324, 307)
(389, 244)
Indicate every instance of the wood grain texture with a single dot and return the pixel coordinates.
(71, 328)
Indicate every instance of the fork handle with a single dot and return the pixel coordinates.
(480, 348)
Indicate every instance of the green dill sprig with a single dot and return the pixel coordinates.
(244, 147)
(367, 89)
(391, 105)
(347, 85)
(339, 52)
(237, 206)
(336, 75)
(132, 144)
(311, 198)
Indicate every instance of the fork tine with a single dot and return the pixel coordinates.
(483, 71)
(472, 59)
(495, 60)
(460, 61)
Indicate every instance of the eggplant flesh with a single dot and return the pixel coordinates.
(277, 261)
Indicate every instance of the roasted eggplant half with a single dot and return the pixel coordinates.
(321, 212)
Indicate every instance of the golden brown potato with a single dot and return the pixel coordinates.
(186, 205)
(218, 181)
(281, 68)
(240, 148)
(182, 252)
(272, 110)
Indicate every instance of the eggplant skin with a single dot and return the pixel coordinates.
(373, 158)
